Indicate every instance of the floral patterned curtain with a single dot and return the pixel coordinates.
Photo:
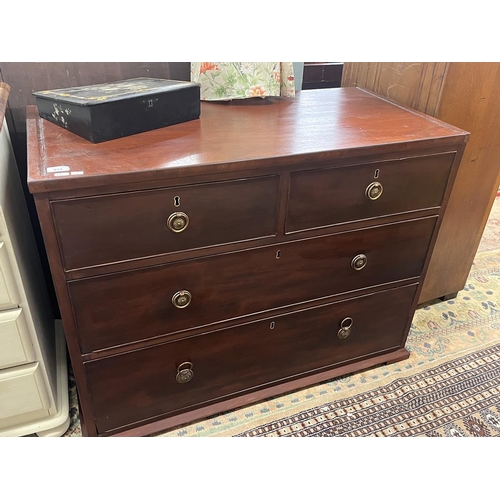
(221, 81)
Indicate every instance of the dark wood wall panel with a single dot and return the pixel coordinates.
(24, 78)
(414, 84)
(318, 75)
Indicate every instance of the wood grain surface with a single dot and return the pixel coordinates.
(125, 336)
(415, 84)
(328, 124)
(466, 95)
(470, 99)
(333, 196)
(110, 311)
(142, 384)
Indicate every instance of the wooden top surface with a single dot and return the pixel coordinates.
(234, 136)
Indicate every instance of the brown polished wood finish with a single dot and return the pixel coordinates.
(218, 213)
(340, 194)
(466, 95)
(141, 384)
(25, 78)
(109, 311)
(271, 133)
(282, 246)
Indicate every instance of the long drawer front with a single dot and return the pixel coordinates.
(135, 305)
(130, 306)
(175, 376)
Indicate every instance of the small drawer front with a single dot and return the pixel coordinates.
(22, 390)
(109, 310)
(16, 347)
(9, 296)
(105, 229)
(326, 197)
(178, 375)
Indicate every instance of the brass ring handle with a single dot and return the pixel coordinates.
(178, 222)
(186, 374)
(181, 299)
(347, 323)
(359, 262)
(345, 328)
(374, 191)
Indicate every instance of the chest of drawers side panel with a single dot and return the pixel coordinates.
(56, 268)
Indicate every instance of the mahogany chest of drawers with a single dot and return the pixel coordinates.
(268, 246)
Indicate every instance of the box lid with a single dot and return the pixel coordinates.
(90, 95)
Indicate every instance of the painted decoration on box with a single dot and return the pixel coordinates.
(222, 81)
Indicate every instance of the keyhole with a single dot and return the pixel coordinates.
(377, 173)
(271, 326)
(177, 201)
(278, 254)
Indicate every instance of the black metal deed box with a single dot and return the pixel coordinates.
(103, 112)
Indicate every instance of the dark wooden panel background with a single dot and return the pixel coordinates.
(415, 84)
(319, 75)
(25, 78)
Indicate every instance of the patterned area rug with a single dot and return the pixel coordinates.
(457, 398)
(450, 385)
(491, 235)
